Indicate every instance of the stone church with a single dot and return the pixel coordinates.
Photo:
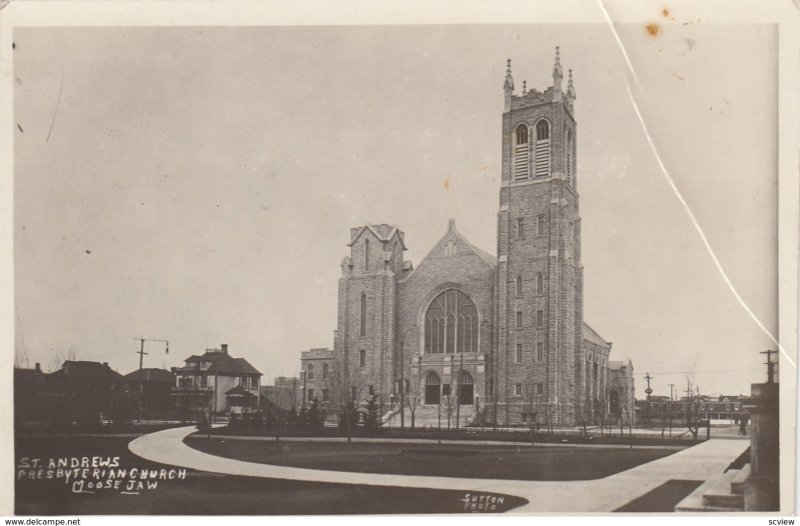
(502, 338)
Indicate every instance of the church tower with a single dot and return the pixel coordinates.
(539, 289)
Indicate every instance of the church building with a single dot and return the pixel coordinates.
(500, 338)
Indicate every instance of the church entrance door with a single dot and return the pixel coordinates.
(432, 389)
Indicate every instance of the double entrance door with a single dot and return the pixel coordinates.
(435, 391)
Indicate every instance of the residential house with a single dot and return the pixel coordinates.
(216, 383)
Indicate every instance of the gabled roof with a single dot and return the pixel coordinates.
(383, 232)
(452, 232)
(591, 335)
(150, 375)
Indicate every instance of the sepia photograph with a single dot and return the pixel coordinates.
(398, 268)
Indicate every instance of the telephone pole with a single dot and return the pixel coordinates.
(648, 392)
(770, 365)
(141, 354)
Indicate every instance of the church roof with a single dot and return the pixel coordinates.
(591, 335)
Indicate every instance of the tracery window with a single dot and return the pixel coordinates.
(451, 324)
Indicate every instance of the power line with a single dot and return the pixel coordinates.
(702, 372)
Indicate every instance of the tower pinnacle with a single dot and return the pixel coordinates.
(508, 87)
(570, 86)
(557, 72)
(509, 83)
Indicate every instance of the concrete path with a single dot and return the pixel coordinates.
(697, 463)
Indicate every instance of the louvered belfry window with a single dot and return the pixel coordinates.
(521, 152)
(542, 150)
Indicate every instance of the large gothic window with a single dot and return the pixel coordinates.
(451, 324)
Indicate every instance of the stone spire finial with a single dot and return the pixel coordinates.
(557, 66)
(570, 86)
(508, 87)
(509, 83)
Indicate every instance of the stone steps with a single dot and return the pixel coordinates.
(737, 485)
(715, 494)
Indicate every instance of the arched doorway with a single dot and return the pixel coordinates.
(466, 389)
(433, 392)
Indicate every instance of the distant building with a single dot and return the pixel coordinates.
(31, 402)
(621, 392)
(285, 395)
(216, 382)
(317, 369)
(146, 394)
(81, 391)
(722, 408)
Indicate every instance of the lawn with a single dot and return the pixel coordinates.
(213, 494)
(467, 460)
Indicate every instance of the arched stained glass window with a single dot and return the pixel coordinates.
(451, 324)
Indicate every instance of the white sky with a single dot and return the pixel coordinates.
(214, 173)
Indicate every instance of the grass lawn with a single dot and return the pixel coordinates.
(471, 461)
(213, 494)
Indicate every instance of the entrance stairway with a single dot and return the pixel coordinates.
(428, 417)
(723, 492)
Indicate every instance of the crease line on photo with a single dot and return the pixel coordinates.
(678, 194)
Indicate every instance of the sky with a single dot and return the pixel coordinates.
(198, 184)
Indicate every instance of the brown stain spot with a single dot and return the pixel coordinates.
(665, 12)
(447, 182)
(482, 167)
(653, 29)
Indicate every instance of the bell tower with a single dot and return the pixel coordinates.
(539, 289)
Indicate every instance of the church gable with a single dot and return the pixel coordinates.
(454, 246)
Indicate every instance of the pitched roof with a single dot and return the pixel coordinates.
(591, 335)
(617, 365)
(86, 369)
(150, 375)
(240, 391)
(224, 363)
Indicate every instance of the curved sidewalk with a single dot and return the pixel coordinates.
(607, 494)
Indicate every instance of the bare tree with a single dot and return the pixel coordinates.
(413, 397)
(448, 403)
(347, 384)
(61, 356)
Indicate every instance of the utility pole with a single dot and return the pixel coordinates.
(458, 392)
(648, 391)
(402, 391)
(669, 416)
(770, 365)
(141, 354)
